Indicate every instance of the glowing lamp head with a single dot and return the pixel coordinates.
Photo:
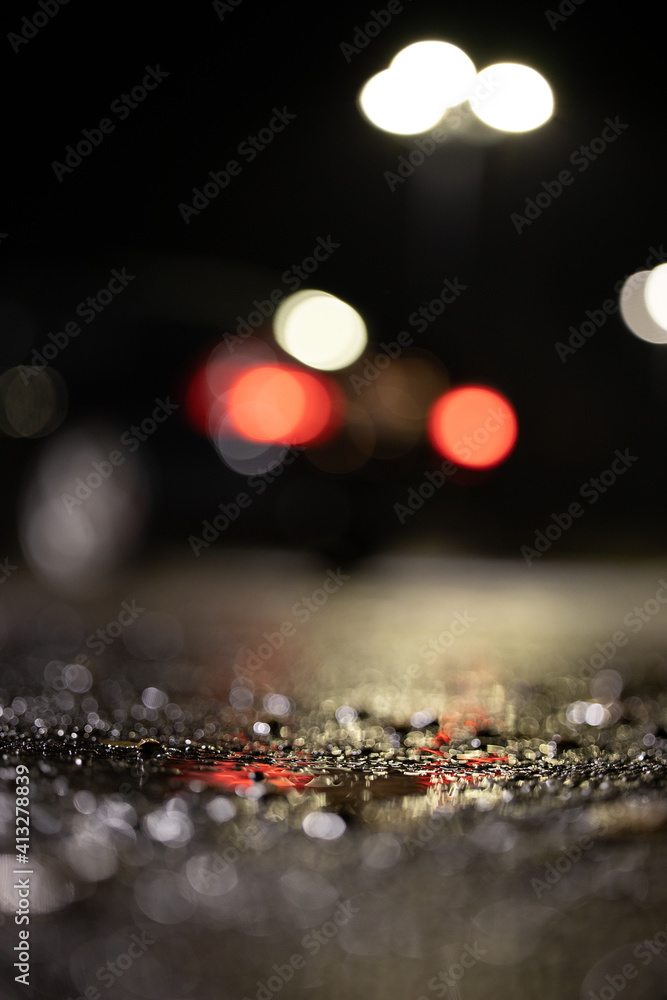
(422, 82)
(437, 68)
(515, 98)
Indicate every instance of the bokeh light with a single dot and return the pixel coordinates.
(473, 426)
(245, 456)
(80, 515)
(634, 310)
(209, 384)
(655, 294)
(395, 103)
(423, 80)
(323, 825)
(320, 330)
(278, 704)
(207, 402)
(517, 98)
(268, 404)
(33, 401)
(440, 68)
(282, 404)
(400, 395)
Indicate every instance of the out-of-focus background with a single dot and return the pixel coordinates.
(388, 233)
(332, 451)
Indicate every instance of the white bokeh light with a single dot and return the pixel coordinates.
(346, 714)
(440, 68)
(277, 704)
(634, 310)
(422, 82)
(75, 525)
(399, 103)
(655, 295)
(320, 330)
(518, 98)
(423, 718)
(597, 715)
(323, 825)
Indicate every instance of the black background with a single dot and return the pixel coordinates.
(324, 175)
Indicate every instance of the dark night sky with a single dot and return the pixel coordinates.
(324, 176)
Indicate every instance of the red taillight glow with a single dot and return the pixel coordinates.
(276, 403)
(473, 426)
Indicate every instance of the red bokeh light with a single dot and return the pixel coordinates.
(473, 426)
(277, 403)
